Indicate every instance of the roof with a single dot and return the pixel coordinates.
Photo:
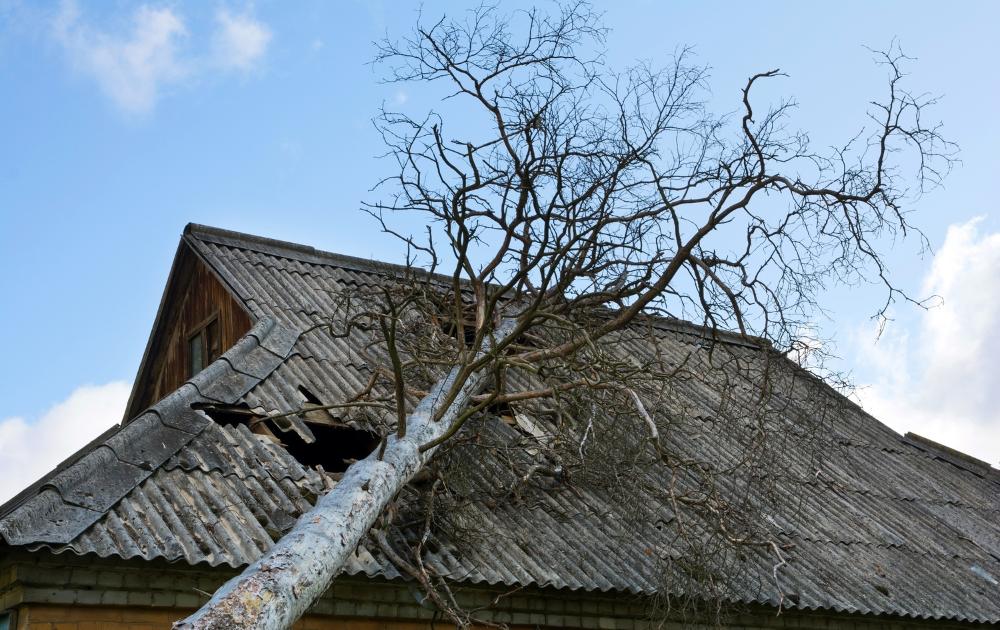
(882, 523)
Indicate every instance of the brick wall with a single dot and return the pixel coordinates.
(68, 592)
(61, 617)
(48, 617)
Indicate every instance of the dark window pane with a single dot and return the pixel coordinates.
(212, 342)
(196, 363)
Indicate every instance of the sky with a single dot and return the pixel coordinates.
(122, 121)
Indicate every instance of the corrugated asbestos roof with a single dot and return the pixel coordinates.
(883, 523)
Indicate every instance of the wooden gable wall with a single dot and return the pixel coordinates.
(192, 296)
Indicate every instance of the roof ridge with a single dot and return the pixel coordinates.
(297, 251)
(287, 249)
(953, 456)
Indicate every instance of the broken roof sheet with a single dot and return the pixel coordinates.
(884, 524)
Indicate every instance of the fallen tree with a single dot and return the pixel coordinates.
(277, 589)
(580, 204)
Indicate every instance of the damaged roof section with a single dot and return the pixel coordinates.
(57, 508)
(883, 524)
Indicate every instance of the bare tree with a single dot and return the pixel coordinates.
(572, 208)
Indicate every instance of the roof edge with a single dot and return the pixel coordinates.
(291, 250)
(241, 367)
(159, 323)
(952, 456)
(25, 495)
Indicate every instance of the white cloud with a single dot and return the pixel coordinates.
(942, 381)
(401, 97)
(292, 149)
(134, 66)
(28, 450)
(130, 69)
(376, 10)
(240, 41)
(317, 44)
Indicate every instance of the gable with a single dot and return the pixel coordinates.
(193, 298)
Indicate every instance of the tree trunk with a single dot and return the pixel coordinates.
(272, 593)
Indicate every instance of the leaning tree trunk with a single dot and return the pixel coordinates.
(272, 593)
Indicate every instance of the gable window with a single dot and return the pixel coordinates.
(204, 346)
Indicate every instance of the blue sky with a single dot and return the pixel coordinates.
(122, 121)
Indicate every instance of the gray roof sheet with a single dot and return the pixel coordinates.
(883, 523)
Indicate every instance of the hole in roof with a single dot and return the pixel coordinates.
(449, 324)
(335, 448)
(319, 416)
(336, 445)
(450, 328)
(229, 416)
(307, 396)
(528, 341)
(504, 412)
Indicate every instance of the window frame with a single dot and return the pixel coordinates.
(205, 350)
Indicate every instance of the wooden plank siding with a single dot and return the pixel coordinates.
(193, 295)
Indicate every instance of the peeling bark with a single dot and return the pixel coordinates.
(272, 593)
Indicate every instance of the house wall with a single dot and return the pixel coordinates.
(202, 297)
(68, 592)
(49, 617)
(136, 618)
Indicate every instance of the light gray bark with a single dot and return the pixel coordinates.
(272, 593)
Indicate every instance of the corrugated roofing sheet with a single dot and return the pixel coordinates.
(879, 525)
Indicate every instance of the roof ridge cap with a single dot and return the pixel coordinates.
(951, 455)
(269, 245)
